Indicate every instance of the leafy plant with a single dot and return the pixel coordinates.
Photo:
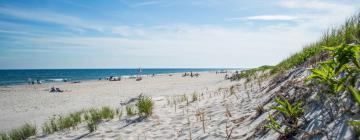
(355, 124)
(326, 74)
(344, 54)
(355, 94)
(145, 106)
(274, 125)
(291, 115)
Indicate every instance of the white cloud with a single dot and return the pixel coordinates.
(186, 45)
(267, 17)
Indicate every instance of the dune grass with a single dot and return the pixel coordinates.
(3, 136)
(24, 132)
(129, 110)
(145, 106)
(246, 74)
(344, 34)
(57, 123)
(194, 97)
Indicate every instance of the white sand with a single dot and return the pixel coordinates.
(34, 103)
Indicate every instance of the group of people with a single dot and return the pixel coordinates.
(191, 74)
(113, 78)
(32, 82)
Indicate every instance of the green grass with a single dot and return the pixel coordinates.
(344, 34)
(145, 106)
(24, 132)
(250, 73)
(355, 124)
(93, 117)
(194, 97)
(3, 136)
(129, 110)
(107, 113)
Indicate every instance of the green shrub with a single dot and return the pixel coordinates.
(145, 106)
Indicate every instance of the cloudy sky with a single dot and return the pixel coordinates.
(161, 33)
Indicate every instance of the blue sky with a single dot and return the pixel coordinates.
(161, 33)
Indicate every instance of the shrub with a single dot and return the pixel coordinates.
(145, 106)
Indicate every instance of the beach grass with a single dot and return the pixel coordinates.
(194, 96)
(344, 34)
(145, 106)
(24, 132)
(107, 113)
(3, 136)
(129, 110)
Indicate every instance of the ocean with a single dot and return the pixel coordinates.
(14, 77)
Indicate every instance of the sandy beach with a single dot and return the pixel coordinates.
(34, 103)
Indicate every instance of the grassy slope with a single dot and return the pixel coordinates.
(346, 33)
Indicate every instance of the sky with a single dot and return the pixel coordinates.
(42, 34)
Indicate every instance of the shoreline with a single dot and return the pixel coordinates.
(69, 80)
(34, 103)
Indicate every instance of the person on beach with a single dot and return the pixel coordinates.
(29, 81)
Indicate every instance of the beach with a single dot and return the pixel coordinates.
(35, 104)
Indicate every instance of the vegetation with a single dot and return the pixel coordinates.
(355, 127)
(246, 74)
(24, 132)
(291, 115)
(345, 34)
(129, 110)
(145, 106)
(58, 123)
(340, 73)
(194, 97)
(107, 113)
